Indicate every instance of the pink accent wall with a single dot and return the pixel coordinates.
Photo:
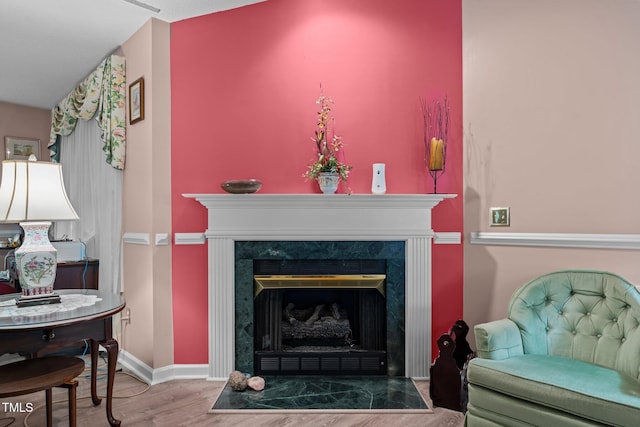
(244, 85)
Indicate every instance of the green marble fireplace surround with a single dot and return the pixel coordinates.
(393, 252)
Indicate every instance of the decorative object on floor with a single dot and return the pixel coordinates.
(378, 182)
(445, 382)
(32, 193)
(241, 186)
(448, 386)
(353, 394)
(241, 382)
(435, 115)
(237, 381)
(328, 152)
(462, 353)
(256, 383)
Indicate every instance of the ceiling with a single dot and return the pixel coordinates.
(48, 46)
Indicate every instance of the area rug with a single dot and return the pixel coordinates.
(325, 394)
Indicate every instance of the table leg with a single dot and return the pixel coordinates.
(94, 372)
(111, 346)
(72, 386)
(49, 405)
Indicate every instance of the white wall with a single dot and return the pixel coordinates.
(551, 129)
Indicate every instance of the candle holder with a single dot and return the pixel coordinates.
(435, 116)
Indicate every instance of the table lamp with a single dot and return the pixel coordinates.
(32, 193)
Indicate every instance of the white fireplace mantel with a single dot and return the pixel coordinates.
(233, 217)
(319, 217)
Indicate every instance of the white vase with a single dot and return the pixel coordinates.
(36, 260)
(328, 182)
(378, 183)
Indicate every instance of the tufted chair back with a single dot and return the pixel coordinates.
(592, 316)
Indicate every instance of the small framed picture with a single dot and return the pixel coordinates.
(500, 217)
(136, 101)
(17, 148)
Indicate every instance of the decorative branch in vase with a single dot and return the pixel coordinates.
(435, 115)
(327, 169)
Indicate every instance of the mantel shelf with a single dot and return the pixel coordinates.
(318, 216)
(343, 201)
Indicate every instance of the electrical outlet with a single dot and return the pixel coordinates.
(126, 318)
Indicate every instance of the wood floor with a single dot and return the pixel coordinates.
(187, 402)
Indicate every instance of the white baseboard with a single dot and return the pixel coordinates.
(159, 375)
(135, 366)
(172, 372)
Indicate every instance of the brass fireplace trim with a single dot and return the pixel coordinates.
(316, 281)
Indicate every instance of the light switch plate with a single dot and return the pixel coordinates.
(500, 217)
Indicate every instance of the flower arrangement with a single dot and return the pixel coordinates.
(327, 150)
(436, 131)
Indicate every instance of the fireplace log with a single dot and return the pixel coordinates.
(289, 315)
(335, 311)
(315, 316)
(325, 328)
(323, 322)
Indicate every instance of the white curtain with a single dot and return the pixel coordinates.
(95, 190)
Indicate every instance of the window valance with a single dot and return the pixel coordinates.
(102, 95)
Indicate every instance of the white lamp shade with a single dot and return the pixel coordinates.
(33, 191)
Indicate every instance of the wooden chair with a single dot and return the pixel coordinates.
(32, 375)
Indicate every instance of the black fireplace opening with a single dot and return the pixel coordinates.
(315, 317)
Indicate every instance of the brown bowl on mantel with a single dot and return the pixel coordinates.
(241, 186)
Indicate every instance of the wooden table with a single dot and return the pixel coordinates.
(33, 335)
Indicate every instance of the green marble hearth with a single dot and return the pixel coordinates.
(303, 393)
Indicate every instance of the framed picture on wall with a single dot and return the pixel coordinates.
(136, 101)
(17, 148)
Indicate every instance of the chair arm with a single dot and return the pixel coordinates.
(498, 340)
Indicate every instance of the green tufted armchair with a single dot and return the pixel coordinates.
(567, 354)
